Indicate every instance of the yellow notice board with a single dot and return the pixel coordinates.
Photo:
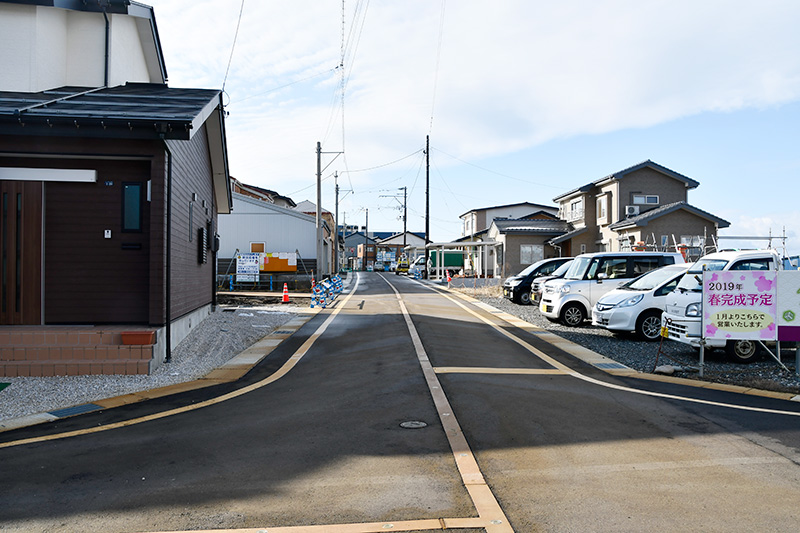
(278, 262)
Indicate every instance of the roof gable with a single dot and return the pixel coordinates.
(520, 204)
(652, 214)
(690, 183)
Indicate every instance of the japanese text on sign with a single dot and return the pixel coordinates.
(739, 304)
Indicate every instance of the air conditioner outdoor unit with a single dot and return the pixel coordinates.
(631, 210)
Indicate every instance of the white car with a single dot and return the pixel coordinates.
(637, 305)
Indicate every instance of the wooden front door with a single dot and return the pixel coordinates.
(20, 252)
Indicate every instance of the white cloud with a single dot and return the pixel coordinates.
(511, 75)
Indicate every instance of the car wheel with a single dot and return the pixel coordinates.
(648, 325)
(742, 351)
(573, 315)
(525, 298)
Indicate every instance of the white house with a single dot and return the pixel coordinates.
(258, 226)
(98, 44)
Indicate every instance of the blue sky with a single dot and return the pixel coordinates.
(522, 100)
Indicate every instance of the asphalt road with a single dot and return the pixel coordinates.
(519, 436)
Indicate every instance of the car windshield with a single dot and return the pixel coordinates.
(578, 268)
(693, 279)
(652, 279)
(560, 271)
(529, 269)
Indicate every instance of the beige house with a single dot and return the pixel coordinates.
(641, 207)
(525, 241)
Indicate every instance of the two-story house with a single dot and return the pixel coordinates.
(475, 222)
(643, 206)
(111, 183)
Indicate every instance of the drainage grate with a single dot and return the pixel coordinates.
(283, 332)
(77, 410)
(610, 365)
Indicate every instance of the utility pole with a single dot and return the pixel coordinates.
(320, 262)
(366, 241)
(427, 189)
(336, 223)
(405, 218)
(323, 268)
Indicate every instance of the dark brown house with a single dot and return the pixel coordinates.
(108, 213)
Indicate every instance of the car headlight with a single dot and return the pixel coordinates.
(693, 310)
(564, 289)
(633, 300)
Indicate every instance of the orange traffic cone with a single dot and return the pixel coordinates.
(285, 294)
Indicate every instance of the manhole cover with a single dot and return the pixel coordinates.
(413, 424)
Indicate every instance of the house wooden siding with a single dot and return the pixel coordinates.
(87, 278)
(192, 281)
(92, 280)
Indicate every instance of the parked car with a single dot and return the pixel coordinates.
(417, 268)
(537, 285)
(378, 266)
(518, 288)
(637, 306)
(571, 298)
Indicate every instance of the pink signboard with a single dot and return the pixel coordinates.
(740, 304)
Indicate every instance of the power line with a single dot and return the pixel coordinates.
(386, 164)
(287, 85)
(438, 56)
(500, 173)
(233, 46)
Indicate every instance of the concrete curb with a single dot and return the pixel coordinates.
(232, 370)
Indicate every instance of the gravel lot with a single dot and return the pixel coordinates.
(221, 336)
(765, 374)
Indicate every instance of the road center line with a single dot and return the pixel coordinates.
(487, 370)
(489, 510)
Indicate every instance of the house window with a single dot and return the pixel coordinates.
(645, 199)
(131, 207)
(530, 253)
(574, 210)
(601, 209)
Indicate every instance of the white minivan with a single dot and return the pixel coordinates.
(571, 298)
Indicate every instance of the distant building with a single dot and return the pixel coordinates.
(478, 220)
(644, 205)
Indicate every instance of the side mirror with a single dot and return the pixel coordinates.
(601, 276)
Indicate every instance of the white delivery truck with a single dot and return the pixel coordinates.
(683, 310)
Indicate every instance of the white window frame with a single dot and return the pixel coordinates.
(602, 209)
(645, 199)
(534, 252)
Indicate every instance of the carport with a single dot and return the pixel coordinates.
(480, 255)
